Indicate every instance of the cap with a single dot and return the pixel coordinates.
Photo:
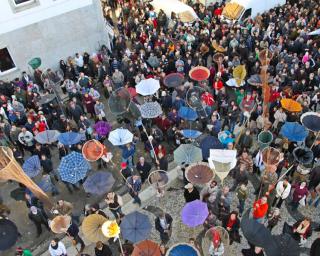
(123, 165)
(188, 186)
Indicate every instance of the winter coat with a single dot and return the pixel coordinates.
(61, 250)
(281, 191)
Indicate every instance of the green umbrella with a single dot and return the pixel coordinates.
(35, 63)
(187, 154)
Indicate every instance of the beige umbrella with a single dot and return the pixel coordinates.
(60, 224)
(91, 227)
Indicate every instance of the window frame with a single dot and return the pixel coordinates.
(14, 63)
(23, 6)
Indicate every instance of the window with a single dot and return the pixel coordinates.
(20, 2)
(6, 62)
(21, 5)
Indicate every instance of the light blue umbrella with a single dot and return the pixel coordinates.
(32, 166)
(73, 167)
(148, 87)
(187, 154)
(69, 138)
(294, 131)
(47, 137)
(314, 33)
(187, 113)
(120, 137)
(191, 134)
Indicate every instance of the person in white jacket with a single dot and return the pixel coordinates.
(283, 189)
(57, 248)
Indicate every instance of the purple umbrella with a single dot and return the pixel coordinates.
(102, 128)
(194, 213)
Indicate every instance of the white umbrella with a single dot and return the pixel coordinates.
(150, 109)
(233, 83)
(314, 33)
(120, 137)
(148, 87)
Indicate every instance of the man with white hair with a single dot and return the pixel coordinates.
(143, 168)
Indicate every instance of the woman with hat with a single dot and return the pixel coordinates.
(190, 193)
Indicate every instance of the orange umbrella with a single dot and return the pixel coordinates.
(291, 105)
(93, 150)
(146, 248)
(199, 73)
(60, 224)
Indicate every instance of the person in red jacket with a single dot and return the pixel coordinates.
(260, 208)
(207, 98)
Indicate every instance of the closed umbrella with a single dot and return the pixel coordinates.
(135, 227)
(190, 134)
(32, 166)
(47, 137)
(69, 138)
(294, 131)
(173, 80)
(91, 227)
(182, 249)
(187, 114)
(102, 128)
(208, 143)
(93, 150)
(60, 224)
(146, 248)
(199, 73)
(73, 167)
(150, 110)
(291, 105)
(187, 154)
(311, 120)
(194, 213)
(255, 80)
(148, 87)
(120, 137)
(8, 234)
(199, 173)
(99, 183)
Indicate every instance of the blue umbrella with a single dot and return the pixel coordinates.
(187, 114)
(183, 249)
(32, 166)
(294, 131)
(311, 120)
(191, 134)
(69, 138)
(225, 137)
(99, 183)
(73, 167)
(135, 227)
(208, 143)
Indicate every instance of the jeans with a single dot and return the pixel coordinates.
(135, 197)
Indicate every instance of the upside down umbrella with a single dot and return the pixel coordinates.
(135, 227)
(120, 137)
(208, 143)
(293, 131)
(73, 167)
(173, 80)
(47, 98)
(91, 227)
(119, 101)
(303, 155)
(60, 223)
(256, 80)
(199, 173)
(193, 98)
(99, 183)
(199, 73)
(158, 178)
(47, 137)
(32, 166)
(187, 154)
(35, 62)
(182, 249)
(150, 109)
(225, 137)
(69, 138)
(311, 120)
(146, 248)
(93, 150)
(102, 128)
(194, 213)
(8, 234)
(191, 134)
(187, 114)
(148, 87)
(291, 105)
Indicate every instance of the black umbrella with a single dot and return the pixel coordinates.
(8, 234)
(286, 245)
(311, 120)
(303, 155)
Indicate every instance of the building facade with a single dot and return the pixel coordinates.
(48, 29)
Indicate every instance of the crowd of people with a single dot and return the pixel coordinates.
(149, 44)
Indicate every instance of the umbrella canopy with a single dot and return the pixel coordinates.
(158, 178)
(120, 137)
(47, 137)
(146, 248)
(286, 245)
(148, 87)
(91, 227)
(271, 156)
(199, 73)
(99, 183)
(119, 101)
(150, 109)
(291, 105)
(303, 155)
(193, 98)
(294, 131)
(314, 33)
(187, 154)
(73, 167)
(110, 229)
(135, 227)
(69, 138)
(173, 80)
(199, 173)
(8, 234)
(256, 80)
(311, 120)
(182, 249)
(32, 166)
(225, 137)
(60, 223)
(102, 128)
(194, 213)
(191, 134)
(232, 82)
(187, 113)
(93, 150)
(208, 143)
(46, 99)
(35, 62)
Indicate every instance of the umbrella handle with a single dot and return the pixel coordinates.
(121, 248)
(145, 131)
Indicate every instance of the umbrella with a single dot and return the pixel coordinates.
(255, 80)
(73, 167)
(93, 150)
(32, 166)
(91, 227)
(135, 227)
(69, 138)
(8, 234)
(199, 73)
(225, 137)
(291, 105)
(119, 101)
(47, 137)
(182, 249)
(99, 183)
(294, 131)
(132, 91)
(194, 213)
(158, 178)
(47, 98)
(311, 120)
(187, 154)
(208, 143)
(60, 224)
(110, 229)
(146, 248)
(199, 173)
(173, 80)
(102, 128)
(286, 245)
(303, 155)
(314, 33)
(35, 62)
(193, 98)
(150, 110)
(271, 156)
(191, 134)
(187, 113)
(120, 137)
(148, 87)
(232, 82)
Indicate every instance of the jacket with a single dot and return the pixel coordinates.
(61, 250)
(259, 210)
(168, 221)
(281, 191)
(136, 186)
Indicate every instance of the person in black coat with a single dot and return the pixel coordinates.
(73, 233)
(315, 247)
(190, 193)
(102, 249)
(143, 168)
(162, 162)
(163, 225)
(38, 217)
(232, 224)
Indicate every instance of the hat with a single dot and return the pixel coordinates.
(188, 186)
(123, 165)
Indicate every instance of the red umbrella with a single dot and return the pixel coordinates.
(93, 150)
(199, 73)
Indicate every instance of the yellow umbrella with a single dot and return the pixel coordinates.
(92, 227)
(110, 228)
(291, 105)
